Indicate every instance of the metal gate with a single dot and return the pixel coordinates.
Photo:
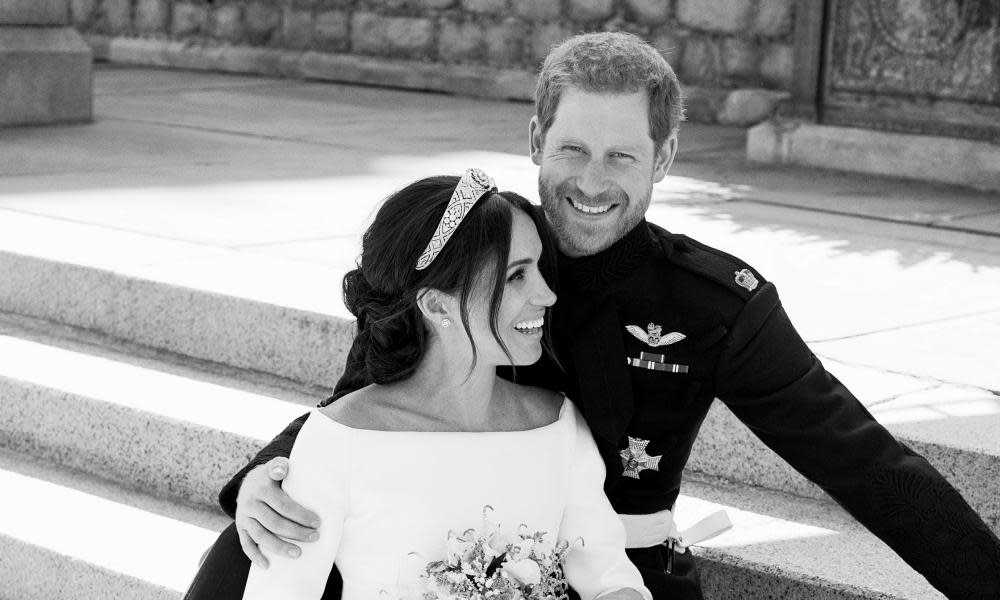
(912, 66)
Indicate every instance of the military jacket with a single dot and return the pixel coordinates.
(650, 331)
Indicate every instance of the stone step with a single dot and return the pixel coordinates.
(784, 546)
(246, 329)
(173, 430)
(953, 427)
(66, 535)
(106, 542)
(245, 310)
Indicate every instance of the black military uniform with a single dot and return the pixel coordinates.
(654, 328)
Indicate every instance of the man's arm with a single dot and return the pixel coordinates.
(772, 382)
(279, 446)
(261, 508)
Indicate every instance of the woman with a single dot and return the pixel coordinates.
(450, 285)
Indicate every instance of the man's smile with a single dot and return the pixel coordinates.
(591, 210)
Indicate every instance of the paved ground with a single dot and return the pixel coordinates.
(260, 188)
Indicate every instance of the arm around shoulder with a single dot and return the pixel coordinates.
(319, 477)
(279, 446)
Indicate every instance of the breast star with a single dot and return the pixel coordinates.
(635, 460)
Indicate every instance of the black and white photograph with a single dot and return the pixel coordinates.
(499, 299)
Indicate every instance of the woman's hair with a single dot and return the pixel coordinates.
(382, 292)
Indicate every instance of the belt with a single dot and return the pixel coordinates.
(644, 531)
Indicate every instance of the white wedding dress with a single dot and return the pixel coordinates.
(383, 495)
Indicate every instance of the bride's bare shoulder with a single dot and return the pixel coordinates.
(361, 409)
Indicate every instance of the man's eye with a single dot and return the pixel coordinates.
(621, 155)
(571, 148)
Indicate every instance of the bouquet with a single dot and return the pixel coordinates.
(485, 565)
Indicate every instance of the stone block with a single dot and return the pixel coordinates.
(460, 41)
(152, 16)
(116, 16)
(670, 44)
(489, 7)
(45, 76)
(739, 58)
(297, 28)
(648, 12)
(332, 31)
(773, 18)
(591, 10)
(750, 106)
(83, 12)
(538, 10)
(777, 65)
(926, 158)
(395, 36)
(544, 38)
(702, 104)
(34, 12)
(433, 4)
(188, 19)
(261, 21)
(505, 43)
(702, 60)
(727, 16)
(226, 22)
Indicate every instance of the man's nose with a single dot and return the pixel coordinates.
(593, 180)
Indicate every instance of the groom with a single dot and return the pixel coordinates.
(650, 327)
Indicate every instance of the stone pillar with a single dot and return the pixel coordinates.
(45, 66)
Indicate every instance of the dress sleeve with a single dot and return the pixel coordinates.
(772, 382)
(600, 565)
(354, 378)
(279, 446)
(319, 478)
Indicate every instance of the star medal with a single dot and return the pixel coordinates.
(635, 460)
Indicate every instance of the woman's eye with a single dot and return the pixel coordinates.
(518, 274)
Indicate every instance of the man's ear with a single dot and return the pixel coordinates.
(664, 158)
(535, 140)
(435, 305)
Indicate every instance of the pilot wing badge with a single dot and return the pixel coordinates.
(653, 335)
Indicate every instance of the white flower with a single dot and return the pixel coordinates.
(522, 549)
(543, 547)
(524, 572)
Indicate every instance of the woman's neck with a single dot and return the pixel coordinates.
(443, 388)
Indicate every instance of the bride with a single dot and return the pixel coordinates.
(450, 285)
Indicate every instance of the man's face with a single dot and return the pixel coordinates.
(598, 166)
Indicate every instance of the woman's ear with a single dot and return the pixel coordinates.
(435, 305)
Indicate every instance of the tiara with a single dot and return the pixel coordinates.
(473, 185)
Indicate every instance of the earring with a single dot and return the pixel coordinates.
(446, 322)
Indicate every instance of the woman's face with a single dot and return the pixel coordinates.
(522, 307)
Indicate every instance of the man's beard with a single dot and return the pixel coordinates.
(580, 239)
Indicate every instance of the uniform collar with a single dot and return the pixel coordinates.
(597, 271)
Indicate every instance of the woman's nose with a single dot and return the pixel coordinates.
(545, 295)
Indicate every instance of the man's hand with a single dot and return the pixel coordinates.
(264, 511)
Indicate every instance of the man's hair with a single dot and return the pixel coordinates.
(615, 63)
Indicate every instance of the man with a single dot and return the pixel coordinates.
(650, 327)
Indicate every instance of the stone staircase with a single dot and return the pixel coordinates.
(128, 397)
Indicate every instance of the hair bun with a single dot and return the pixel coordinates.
(393, 334)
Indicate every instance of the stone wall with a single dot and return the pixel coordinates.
(484, 47)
